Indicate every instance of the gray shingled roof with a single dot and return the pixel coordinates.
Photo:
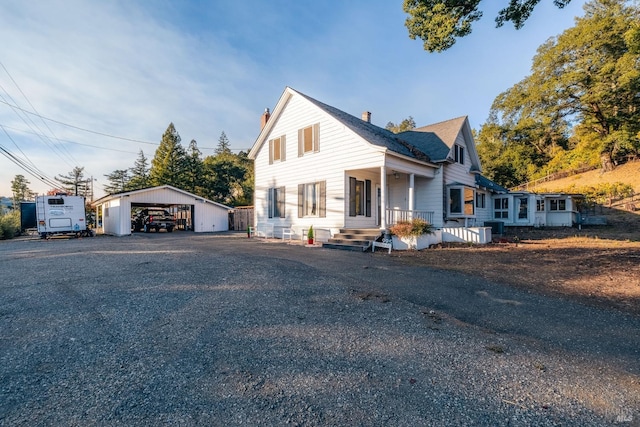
(371, 133)
(428, 143)
(489, 185)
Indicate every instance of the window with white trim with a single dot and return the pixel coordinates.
(461, 201)
(481, 200)
(523, 209)
(458, 154)
(557, 205)
(277, 150)
(501, 207)
(276, 202)
(539, 205)
(312, 199)
(308, 140)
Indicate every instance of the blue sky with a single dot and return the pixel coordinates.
(129, 68)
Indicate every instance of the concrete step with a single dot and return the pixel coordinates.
(346, 246)
(353, 239)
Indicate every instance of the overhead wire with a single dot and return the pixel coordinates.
(26, 166)
(34, 109)
(73, 142)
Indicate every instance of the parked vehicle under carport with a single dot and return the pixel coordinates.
(153, 219)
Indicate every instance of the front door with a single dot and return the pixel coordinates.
(522, 209)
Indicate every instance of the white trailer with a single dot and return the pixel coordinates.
(61, 214)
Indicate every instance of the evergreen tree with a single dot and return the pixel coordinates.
(139, 173)
(194, 171)
(20, 190)
(223, 145)
(74, 182)
(170, 161)
(228, 178)
(118, 181)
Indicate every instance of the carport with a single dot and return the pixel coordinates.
(113, 212)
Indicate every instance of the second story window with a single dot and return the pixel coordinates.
(277, 150)
(308, 140)
(458, 153)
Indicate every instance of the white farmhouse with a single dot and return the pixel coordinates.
(318, 166)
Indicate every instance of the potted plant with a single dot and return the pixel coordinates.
(411, 234)
(248, 231)
(310, 235)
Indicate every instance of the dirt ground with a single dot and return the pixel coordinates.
(596, 265)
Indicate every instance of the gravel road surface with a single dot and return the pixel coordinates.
(217, 329)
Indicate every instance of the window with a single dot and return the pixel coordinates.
(276, 202)
(359, 197)
(461, 201)
(481, 201)
(458, 153)
(501, 207)
(312, 200)
(308, 140)
(539, 205)
(277, 150)
(557, 205)
(523, 209)
(59, 201)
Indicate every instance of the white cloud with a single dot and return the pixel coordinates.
(129, 68)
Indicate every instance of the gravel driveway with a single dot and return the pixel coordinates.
(189, 329)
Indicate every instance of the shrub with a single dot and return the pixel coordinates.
(9, 224)
(415, 227)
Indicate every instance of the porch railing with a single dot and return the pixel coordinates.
(396, 215)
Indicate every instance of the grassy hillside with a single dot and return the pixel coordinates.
(628, 173)
(623, 221)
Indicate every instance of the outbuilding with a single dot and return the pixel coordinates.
(192, 212)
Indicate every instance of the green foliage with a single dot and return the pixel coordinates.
(74, 182)
(415, 227)
(20, 189)
(310, 232)
(139, 173)
(9, 224)
(605, 193)
(170, 161)
(225, 177)
(223, 145)
(228, 179)
(578, 107)
(194, 170)
(118, 181)
(405, 125)
(439, 22)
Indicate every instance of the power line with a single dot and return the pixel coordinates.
(32, 170)
(79, 128)
(34, 109)
(72, 142)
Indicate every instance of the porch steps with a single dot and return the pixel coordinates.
(353, 239)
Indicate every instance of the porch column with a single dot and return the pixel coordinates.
(411, 201)
(383, 198)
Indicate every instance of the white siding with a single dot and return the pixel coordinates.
(455, 172)
(485, 214)
(340, 150)
(207, 216)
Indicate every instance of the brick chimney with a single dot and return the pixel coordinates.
(264, 118)
(366, 117)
